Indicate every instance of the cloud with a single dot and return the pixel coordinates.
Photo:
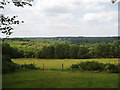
(101, 17)
(65, 18)
(52, 10)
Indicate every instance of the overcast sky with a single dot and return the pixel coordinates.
(66, 18)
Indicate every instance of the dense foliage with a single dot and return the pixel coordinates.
(7, 22)
(8, 66)
(53, 49)
(86, 40)
(50, 49)
(12, 52)
(74, 51)
(96, 66)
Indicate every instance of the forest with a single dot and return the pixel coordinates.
(59, 49)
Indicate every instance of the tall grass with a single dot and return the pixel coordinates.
(57, 63)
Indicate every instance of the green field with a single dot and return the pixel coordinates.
(57, 63)
(59, 79)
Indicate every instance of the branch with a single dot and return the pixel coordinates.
(113, 1)
(7, 22)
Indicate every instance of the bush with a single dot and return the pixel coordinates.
(8, 67)
(75, 66)
(96, 67)
(112, 68)
(29, 66)
(89, 66)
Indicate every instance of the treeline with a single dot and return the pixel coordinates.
(7, 65)
(11, 52)
(65, 50)
(87, 40)
(74, 51)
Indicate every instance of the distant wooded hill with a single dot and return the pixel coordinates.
(89, 40)
(76, 40)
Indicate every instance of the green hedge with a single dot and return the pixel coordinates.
(96, 66)
(112, 68)
(29, 67)
(8, 66)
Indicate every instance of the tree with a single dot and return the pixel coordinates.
(115, 49)
(61, 51)
(73, 51)
(29, 54)
(6, 22)
(6, 49)
(11, 51)
(102, 50)
(39, 54)
(91, 52)
(83, 52)
(105, 50)
(48, 52)
(66, 50)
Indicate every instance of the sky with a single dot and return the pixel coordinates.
(57, 18)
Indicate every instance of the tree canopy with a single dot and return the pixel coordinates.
(113, 1)
(6, 22)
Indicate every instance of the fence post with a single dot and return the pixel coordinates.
(43, 66)
(62, 66)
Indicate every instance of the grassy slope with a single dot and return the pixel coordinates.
(57, 63)
(59, 79)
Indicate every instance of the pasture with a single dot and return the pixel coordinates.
(57, 63)
(59, 79)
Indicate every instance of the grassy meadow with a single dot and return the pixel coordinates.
(57, 63)
(59, 79)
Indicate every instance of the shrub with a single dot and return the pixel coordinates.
(75, 66)
(8, 67)
(29, 66)
(112, 68)
(96, 67)
(89, 65)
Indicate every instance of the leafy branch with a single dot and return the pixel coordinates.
(6, 22)
(113, 1)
